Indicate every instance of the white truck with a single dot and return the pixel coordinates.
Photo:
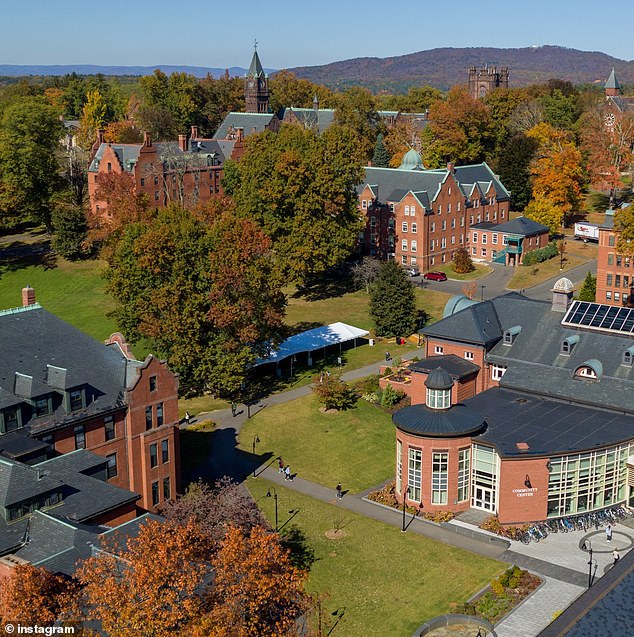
(586, 231)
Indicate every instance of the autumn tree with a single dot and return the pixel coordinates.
(151, 586)
(560, 109)
(459, 130)
(215, 508)
(93, 118)
(365, 272)
(624, 227)
(300, 187)
(205, 290)
(335, 393)
(462, 262)
(123, 132)
(544, 211)
(32, 595)
(289, 90)
(29, 169)
(356, 109)
(220, 97)
(392, 302)
(256, 590)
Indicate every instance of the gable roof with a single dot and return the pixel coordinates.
(520, 225)
(249, 122)
(319, 119)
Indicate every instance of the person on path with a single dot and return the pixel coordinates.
(280, 465)
(615, 556)
(387, 356)
(339, 361)
(187, 418)
(234, 408)
(339, 492)
(608, 532)
(287, 473)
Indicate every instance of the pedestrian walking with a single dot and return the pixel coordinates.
(280, 465)
(615, 556)
(287, 472)
(608, 532)
(339, 362)
(321, 378)
(339, 492)
(234, 409)
(387, 356)
(187, 417)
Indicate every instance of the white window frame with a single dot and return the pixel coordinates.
(497, 371)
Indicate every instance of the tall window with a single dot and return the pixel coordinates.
(414, 473)
(110, 432)
(414, 245)
(167, 494)
(399, 466)
(497, 371)
(404, 245)
(414, 227)
(11, 421)
(153, 455)
(439, 477)
(153, 383)
(464, 469)
(148, 417)
(111, 470)
(404, 226)
(159, 414)
(165, 451)
(41, 407)
(80, 437)
(438, 398)
(76, 399)
(155, 493)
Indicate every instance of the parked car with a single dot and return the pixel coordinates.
(435, 276)
(412, 271)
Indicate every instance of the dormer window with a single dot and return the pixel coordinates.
(589, 370)
(511, 334)
(438, 398)
(628, 357)
(586, 372)
(42, 406)
(568, 344)
(76, 399)
(10, 420)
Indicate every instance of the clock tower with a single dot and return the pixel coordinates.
(256, 86)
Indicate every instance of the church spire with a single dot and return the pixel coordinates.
(612, 86)
(256, 70)
(256, 86)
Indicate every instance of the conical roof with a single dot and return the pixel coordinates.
(439, 378)
(256, 70)
(612, 81)
(411, 160)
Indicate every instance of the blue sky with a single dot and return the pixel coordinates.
(220, 33)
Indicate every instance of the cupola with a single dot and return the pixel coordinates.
(439, 386)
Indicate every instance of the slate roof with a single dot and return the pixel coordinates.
(32, 338)
(16, 444)
(19, 482)
(319, 119)
(250, 122)
(128, 155)
(255, 69)
(459, 420)
(520, 225)
(612, 82)
(549, 427)
(455, 366)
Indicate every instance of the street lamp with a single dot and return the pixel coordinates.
(482, 292)
(405, 494)
(255, 442)
(274, 495)
(591, 562)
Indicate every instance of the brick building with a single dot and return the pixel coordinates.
(62, 391)
(421, 217)
(521, 408)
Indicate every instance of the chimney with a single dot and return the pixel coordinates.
(147, 140)
(240, 132)
(194, 132)
(28, 296)
(98, 141)
(182, 142)
(562, 292)
(450, 167)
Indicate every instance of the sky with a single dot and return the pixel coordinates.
(220, 33)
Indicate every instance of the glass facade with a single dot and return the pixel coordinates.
(439, 398)
(414, 473)
(439, 477)
(399, 466)
(464, 469)
(484, 478)
(587, 481)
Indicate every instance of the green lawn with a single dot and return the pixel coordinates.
(480, 270)
(528, 275)
(387, 582)
(355, 447)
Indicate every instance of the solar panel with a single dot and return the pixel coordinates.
(607, 318)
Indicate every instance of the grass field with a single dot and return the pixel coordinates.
(354, 447)
(386, 582)
(528, 275)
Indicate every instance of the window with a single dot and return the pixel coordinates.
(505, 239)
(431, 245)
(453, 241)
(406, 211)
(153, 456)
(479, 218)
(155, 493)
(142, 182)
(11, 420)
(484, 238)
(109, 167)
(453, 223)
(474, 251)
(628, 356)
(468, 356)
(412, 261)
(413, 245)
(608, 279)
(159, 414)
(412, 211)
(617, 280)
(502, 213)
(156, 197)
(391, 207)
(439, 477)
(586, 372)
(364, 204)
(619, 260)
(148, 417)
(438, 398)
(568, 344)
(109, 428)
(404, 226)
(404, 245)
(449, 205)
(608, 296)
(41, 407)
(155, 181)
(414, 227)
(372, 222)
(152, 383)
(464, 469)
(403, 259)
(166, 489)
(399, 466)
(432, 228)
(165, 451)
(458, 207)
(444, 224)
(76, 399)
(111, 469)
(494, 238)
(443, 242)
(439, 210)
(80, 437)
(486, 216)
(626, 281)
(438, 349)
(462, 222)
(475, 237)
(414, 473)
(617, 296)
(497, 371)
(484, 252)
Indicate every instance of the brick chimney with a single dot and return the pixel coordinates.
(147, 140)
(182, 142)
(98, 141)
(240, 132)
(194, 132)
(450, 167)
(28, 296)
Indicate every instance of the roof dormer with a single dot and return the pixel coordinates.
(511, 334)
(628, 357)
(568, 344)
(589, 370)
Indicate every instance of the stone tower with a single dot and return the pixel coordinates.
(256, 87)
(483, 81)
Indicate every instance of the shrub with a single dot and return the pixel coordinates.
(439, 516)
(390, 396)
(367, 385)
(462, 262)
(335, 393)
(387, 371)
(541, 255)
(371, 398)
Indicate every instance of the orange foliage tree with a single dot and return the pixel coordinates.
(256, 590)
(32, 595)
(151, 587)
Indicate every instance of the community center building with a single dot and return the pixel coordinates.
(521, 408)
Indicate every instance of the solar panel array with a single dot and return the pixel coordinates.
(609, 318)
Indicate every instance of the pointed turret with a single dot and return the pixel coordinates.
(256, 70)
(256, 86)
(612, 86)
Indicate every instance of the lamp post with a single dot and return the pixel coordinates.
(482, 292)
(405, 494)
(591, 562)
(274, 495)
(255, 442)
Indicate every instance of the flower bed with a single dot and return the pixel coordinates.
(387, 496)
(492, 524)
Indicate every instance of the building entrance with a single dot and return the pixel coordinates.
(483, 498)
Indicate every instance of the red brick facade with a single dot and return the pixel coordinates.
(615, 273)
(486, 243)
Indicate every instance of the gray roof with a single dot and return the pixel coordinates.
(458, 420)
(439, 378)
(520, 225)
(319, 119)
(31, 339)
(255, 69)
(20, 482)
(455, 366)
(17, 444)
(534, 360)
(249, 122)
(128, 155)
(612, 82)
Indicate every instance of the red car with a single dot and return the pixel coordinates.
(435, 276)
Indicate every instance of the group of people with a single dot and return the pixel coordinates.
(285, 470)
